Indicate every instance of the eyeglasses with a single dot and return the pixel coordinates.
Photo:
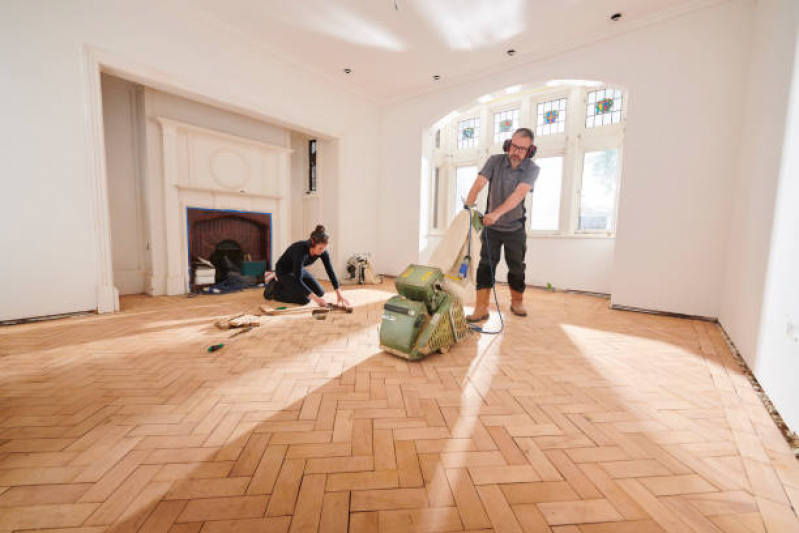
(519, 148)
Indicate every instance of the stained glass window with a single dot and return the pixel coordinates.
(551, 117)
(468, 133)
(505, 123)
(604, 107)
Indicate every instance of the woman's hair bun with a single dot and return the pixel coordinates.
(319, 235)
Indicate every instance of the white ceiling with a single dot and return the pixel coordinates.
(393, 53)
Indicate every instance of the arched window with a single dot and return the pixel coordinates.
(579, 129)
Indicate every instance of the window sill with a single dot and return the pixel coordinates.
(570, 235)
(440, 233)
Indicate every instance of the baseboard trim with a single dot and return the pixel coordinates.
(44, 318)
(617, 307)
(790, 437)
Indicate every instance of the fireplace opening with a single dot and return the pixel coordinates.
(226, 244)
(227, 257)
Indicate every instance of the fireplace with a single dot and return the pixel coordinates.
(240, 241)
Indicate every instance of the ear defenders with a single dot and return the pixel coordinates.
(530, 151)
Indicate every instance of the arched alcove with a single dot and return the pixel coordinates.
(572, 214)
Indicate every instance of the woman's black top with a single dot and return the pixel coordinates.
(296, 257)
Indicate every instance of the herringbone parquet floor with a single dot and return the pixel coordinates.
(576, 419)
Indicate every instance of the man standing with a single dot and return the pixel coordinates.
(511, 176)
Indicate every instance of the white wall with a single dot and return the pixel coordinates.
(299, 183)
(760, 310)
(560, 261)
(685, 78)
(122, 122)
(159, 43)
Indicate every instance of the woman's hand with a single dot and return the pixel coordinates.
(341, 302)
(319, 300)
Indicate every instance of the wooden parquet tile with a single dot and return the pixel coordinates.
(577, 419)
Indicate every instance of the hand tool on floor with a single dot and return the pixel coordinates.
(219, 346)
(315, 311)
(241, 331)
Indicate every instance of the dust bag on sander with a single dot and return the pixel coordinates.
(459, 254)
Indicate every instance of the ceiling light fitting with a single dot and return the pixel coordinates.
(436, 77)
(615, 17)
(511, 52)
(347, 70)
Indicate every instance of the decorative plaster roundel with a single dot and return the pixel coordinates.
(229, 169)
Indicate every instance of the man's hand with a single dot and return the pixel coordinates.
(319, 300)
(489, 219)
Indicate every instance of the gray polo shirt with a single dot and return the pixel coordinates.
(503, 180)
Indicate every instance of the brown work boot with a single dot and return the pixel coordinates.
(480, 312)
(517, 303)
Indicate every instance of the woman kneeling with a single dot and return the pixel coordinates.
(293, 284)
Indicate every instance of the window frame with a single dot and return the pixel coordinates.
(548, 96)
(312, 184)
(453, 185)
(598, 144)
(503, 107)
(572, 145)
(547, 153)
(480, 131)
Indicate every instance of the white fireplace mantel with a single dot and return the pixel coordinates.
(216, 170)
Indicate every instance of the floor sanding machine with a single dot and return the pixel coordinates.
(423, 318)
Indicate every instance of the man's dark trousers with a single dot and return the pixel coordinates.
(515, 245)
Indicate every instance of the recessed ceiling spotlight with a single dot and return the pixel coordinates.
(436, 77)
(615, 17)
(511, 52)
(513, 89)
(347, 70)
(485, 98)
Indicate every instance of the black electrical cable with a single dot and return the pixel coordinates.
(475, 327)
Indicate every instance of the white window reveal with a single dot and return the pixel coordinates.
(505, 123)
(551, 117)
(604, 107)
(436, 184)
(545, 213)
(468, 133)
(464, 179)
(598, 191)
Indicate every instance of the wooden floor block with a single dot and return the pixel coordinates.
(579, 512)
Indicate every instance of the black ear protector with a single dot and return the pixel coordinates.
(530, 151)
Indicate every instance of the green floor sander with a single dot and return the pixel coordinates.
(423, 318)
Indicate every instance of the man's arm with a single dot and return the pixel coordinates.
(478, 185)
(513, 200)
